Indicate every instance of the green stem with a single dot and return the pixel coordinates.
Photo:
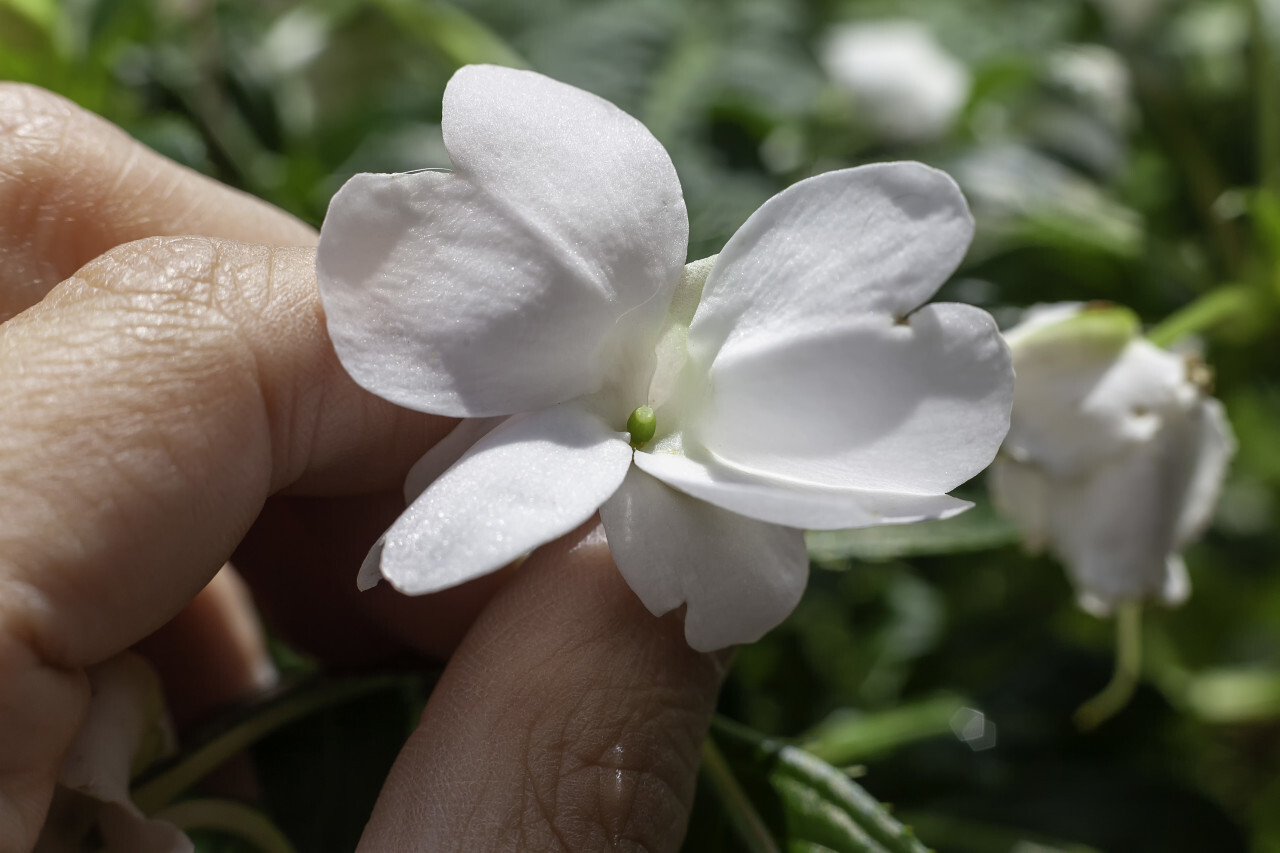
(1177, 131)
(1206, 312)
(231, 817)
(977, 836)
(1267, 97)
(459, 36)
(746, 820)
(859, 737)
(162, 788)
(1124, 680)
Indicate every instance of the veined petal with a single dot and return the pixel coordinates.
(918, 406)
(792, 504)
(876, 240)
(738, 577)
(537, 269)
(533, 478)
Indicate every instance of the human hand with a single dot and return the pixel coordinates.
(169, 400)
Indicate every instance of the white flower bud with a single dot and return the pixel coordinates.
(905, 86)
(1115, 454)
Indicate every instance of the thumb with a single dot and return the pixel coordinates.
(570, 718)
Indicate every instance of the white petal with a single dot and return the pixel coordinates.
(877, 240)
(446, 451)
(424, 472)
(671, 351)
(795, 505)
(822, 367)
(1114, 528)
(1076, 405)
(126, 714)
(535, 477)
(1177, 583)
(520, 280)
(1022, 493)
(1209, 449)
(370, 574)
(917, 407)
(738, 577)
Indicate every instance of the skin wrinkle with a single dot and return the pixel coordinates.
(75, 186)
(585, 756)
(618, 785)
(187, 373)
(299, 426)
(555, 689)
(158, 473)
(193, 302)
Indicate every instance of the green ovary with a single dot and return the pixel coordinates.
(642, 425)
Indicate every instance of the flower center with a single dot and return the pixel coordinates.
(642, 425)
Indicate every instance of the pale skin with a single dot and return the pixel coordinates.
(169, 400)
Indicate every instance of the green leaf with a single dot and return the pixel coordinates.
(979, 529)
(321, 775)
(457, 35)
(849, 737)
(243, 727)
(42, 13)
(780, 797)
(1234, 695)
(984, 837)
(228, 816)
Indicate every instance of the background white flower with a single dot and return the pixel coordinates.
(125, 728)
(803, 384)
(905, 86)
(1115, 455)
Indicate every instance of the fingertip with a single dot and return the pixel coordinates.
(569, 713)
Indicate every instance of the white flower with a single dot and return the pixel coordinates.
(542, 279)
(905, 85)
(1096, 77)
(1115, 455)
(125, 729)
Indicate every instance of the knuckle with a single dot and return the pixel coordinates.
(189, 304)
(220, 313)
(34, 123)
(159, 297)
(49, 222)
(211, 284)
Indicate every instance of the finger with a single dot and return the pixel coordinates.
(213, 653)
(326, 615)
(150, 405)
(569, 719)
(73, 186)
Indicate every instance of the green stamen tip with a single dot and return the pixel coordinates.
(642, 425)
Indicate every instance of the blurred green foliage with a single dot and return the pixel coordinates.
(1111, 150)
